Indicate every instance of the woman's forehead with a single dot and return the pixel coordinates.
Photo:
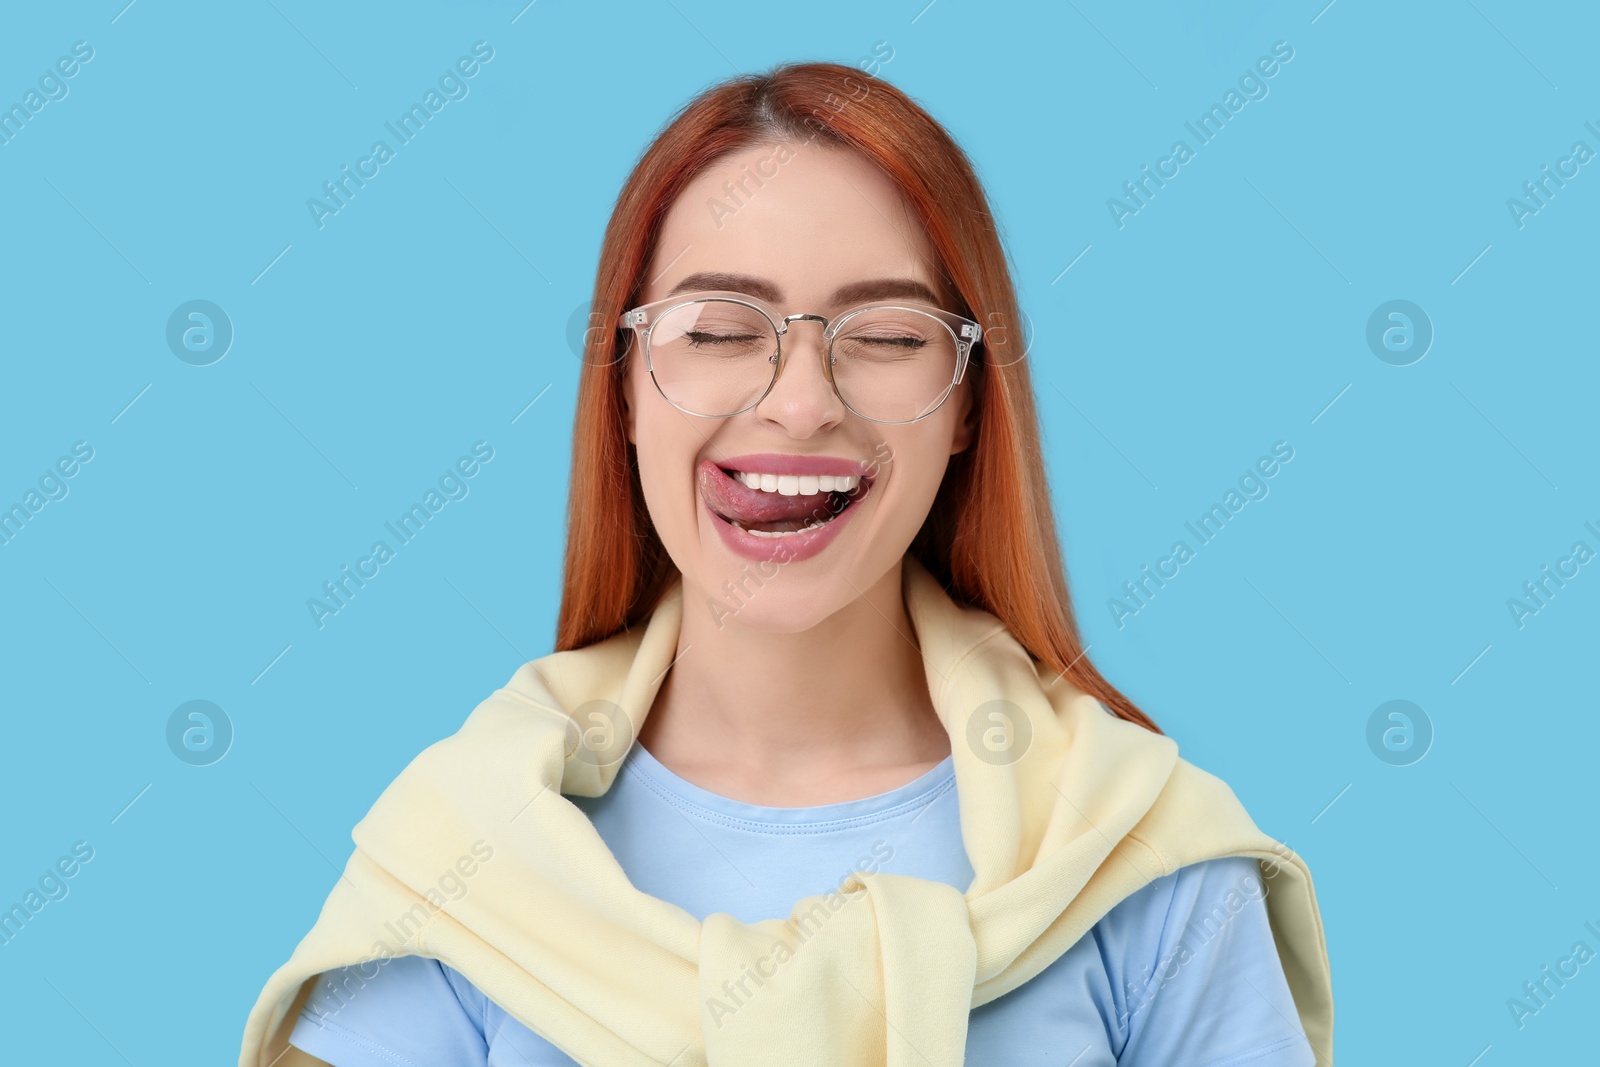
(806, 217)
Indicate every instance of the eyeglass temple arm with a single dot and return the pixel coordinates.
(970, 333)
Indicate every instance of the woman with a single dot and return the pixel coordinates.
(814, 633)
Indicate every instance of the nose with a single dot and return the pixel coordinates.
(802, 401)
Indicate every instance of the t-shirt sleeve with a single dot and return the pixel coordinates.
(404, 1011)
(1200, 982)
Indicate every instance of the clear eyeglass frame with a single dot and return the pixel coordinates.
(642, 319)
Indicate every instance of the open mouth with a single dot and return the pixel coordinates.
(771, 505)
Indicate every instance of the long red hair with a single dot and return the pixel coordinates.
(990, 536)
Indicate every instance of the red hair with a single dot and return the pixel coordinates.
(990, 535)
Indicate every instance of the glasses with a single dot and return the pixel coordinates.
(719, 354)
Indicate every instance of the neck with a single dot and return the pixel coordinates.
(792, 719)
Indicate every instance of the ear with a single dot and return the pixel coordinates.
(967, 421)
(627, 402)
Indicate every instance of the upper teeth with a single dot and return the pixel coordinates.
(799, 484)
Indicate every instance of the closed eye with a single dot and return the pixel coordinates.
(902, 342)
(696, 337)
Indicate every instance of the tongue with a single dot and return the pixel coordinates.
(767, 512)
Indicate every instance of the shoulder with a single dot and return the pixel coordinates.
(1211, 888)
(1196, 972)
(409, 1009)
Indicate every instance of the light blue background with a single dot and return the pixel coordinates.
(1228, 314)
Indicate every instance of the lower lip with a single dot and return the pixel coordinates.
(789, 548)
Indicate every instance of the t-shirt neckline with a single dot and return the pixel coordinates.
(916, 793)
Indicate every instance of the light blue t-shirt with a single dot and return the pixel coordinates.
(1184, 971)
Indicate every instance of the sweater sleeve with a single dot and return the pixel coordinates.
(1197, 973)
(400, 1012)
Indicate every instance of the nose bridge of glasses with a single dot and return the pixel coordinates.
(823, 345)
(803, 317)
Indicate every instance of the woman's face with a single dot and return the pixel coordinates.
(820, 220)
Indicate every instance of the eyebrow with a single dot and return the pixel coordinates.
(852, 293)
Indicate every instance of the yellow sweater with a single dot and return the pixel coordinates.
(1089, 810)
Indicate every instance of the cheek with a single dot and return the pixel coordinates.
(912, 465)
(666, 447)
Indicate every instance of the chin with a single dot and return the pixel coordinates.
(773, 596)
